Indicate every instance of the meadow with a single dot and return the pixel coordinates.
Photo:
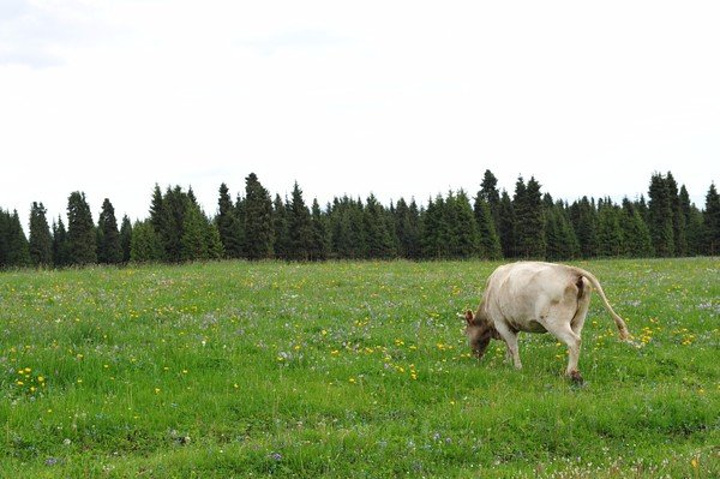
(349, 369)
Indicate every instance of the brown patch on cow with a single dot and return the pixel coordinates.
(580, 283)
(576, 378)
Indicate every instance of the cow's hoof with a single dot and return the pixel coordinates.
(576, 378)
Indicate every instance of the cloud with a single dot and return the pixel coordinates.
(35, 34)
(296, 39)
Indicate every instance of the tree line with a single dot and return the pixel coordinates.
(491, 225)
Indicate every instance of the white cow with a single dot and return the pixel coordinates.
(536, 297)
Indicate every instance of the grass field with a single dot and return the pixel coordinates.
(238, 369)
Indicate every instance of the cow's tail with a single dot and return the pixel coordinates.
(619, 322)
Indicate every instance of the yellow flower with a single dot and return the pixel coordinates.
(41, 379)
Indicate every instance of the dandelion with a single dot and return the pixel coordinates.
(352, 380)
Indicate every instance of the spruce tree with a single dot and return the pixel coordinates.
(638, 243)
(258, 220)
(435, 230)
(61, 244)
(529, 219)
(240, 215)
(174, 207)
(125, 238)
(407, 229)
(490, 194)
(610, 238)
(4, 243)
(377, 230)
(711, 218)
(109, 249)
(158, 218)
(228, 224)
(506, 226)
(282, 247)
(583, 216)
(299, 226)
(215, 249)
(145, 245)
(463, 227)
(678, 215)
(488, 239)
(320, 236)
(693, 228)
(14, 246)
(660, 214)
(81, 231)
(193, 243)
(40, 237)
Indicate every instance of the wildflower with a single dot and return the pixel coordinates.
(352, 380)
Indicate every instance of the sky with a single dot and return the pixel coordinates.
(392, 98)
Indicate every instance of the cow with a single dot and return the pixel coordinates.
(536, 297)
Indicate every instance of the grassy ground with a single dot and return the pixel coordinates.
(349, 370)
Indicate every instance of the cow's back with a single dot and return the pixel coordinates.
(524, 290)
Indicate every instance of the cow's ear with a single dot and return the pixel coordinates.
(469, 316)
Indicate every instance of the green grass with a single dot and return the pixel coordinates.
(241, 369)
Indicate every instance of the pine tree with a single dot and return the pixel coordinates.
(711, 218)
(125, 238)
(81, 231)
(40, 237)
(299, 226)
(228, 224)
(109, 249)
(258, 220)
(660, 214)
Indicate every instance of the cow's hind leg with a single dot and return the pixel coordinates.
(559, 324)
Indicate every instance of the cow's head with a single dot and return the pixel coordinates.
(479, 332)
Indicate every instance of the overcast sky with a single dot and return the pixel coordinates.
(399, 99)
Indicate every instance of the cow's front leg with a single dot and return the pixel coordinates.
(510, 337)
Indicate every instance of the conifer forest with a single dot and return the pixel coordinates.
(526, 223)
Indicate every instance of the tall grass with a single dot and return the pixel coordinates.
(241, 369)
